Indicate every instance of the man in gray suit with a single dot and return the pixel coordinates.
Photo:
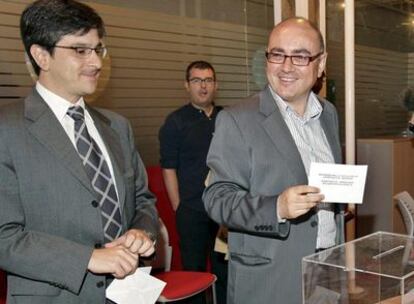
(75, 208)
(259, 160)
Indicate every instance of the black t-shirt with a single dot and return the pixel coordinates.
(184, 142)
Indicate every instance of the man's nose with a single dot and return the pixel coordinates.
(287, 65)
(95, 60)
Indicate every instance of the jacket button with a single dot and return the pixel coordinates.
(98, 245)
(95, 204)
(100, 284)
(314, 223)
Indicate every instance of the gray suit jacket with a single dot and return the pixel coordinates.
(253, 158)
(48, 223)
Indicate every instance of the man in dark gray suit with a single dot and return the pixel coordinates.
(75, 208)
(259, 159)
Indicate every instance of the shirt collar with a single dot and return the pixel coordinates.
(200, 110)
(57, 104)
(313, 107)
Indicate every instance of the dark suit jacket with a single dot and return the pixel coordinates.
(48, 223)
(253, 158)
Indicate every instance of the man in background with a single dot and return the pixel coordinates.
(259, 159)
(184, 142)
(75, 208)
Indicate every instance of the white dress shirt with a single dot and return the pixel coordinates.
(59, 107)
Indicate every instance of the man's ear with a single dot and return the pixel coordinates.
(322, 64)
(41, 56)
(187, 86)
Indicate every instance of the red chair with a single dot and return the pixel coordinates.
(3, 287)
(166, 213)
(180, 284)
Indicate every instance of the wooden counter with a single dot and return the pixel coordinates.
(390, 163)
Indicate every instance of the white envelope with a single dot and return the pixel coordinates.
(339, 183)
(138, 288)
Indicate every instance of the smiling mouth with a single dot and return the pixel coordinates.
(93, 76)
(287, 79)
(91, 73)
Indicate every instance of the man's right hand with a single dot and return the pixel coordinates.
(297, 200)
(171, 184)
(175, 205)
(118, 261)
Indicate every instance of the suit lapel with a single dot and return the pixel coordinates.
(45, 127)
(279, 133)
(327, 123)
(113, 146)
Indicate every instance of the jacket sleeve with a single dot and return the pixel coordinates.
(168, 136)
(146, 215)
(228, 199)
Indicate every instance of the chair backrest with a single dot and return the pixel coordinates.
(406, 205)
(165, 211)
(163, 250)
(3, 287)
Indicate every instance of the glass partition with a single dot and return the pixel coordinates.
(383, 64)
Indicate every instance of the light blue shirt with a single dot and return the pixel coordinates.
(313, 146)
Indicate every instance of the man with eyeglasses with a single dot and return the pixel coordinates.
(184, 141)
(75, 208)
(259, 159)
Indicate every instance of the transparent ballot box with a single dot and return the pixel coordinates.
(377, 268)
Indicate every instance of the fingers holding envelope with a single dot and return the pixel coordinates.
(298, 200)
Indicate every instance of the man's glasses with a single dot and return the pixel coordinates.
(83, 52)
(199, 81)
(299, 60)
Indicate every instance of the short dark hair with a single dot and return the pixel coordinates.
(200, 65)
(45, 22)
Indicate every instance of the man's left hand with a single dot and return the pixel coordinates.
(136, 241)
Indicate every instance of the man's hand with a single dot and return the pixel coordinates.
(136, 241)
(297, 200)
(117, 260)
(171, 185)
(175, 205)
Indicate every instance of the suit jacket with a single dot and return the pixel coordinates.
(253, 158)
(49, 223)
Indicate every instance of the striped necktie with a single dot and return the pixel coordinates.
(98, 172)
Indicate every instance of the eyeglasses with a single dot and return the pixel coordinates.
(299, 60)
(199, 81)
(84, 52)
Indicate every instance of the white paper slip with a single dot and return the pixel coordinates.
(137, 288)
(339, 183)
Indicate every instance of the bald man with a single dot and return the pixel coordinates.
(259, 160)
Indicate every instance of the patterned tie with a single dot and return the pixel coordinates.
(98, 172)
